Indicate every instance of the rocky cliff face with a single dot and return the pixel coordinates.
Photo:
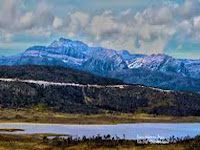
(167, 64)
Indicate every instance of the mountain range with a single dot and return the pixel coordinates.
(158, 70)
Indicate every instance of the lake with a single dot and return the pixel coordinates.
(131, 131)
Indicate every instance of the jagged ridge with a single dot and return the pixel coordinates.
(115, 64)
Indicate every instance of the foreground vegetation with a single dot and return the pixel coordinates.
(11, 130)
(43, 142)
(40, 114)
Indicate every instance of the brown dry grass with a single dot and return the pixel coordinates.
(35, 116)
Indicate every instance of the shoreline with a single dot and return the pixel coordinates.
(105, 121)
(36, 116)
(71, 124)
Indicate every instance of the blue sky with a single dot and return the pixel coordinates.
(140, 26)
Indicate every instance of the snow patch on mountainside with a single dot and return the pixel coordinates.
(167, 64)
(46, 83)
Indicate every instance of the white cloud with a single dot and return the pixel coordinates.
(77, 23)
(197, 21)
(189, 9)
(150, 28)
(107, 12)
(102, 26)
(155, 16)
(186, 26)
(57, 23)
(153, 47)
(44, 15)
(27, 20)
(9, 13)
(14, 19)
(8, 37)
(113, 32)
(80, 18)
(40, 32)
(126, 12)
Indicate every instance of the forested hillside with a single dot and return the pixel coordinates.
(53, 74)
(87, 99)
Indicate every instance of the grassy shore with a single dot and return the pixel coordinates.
(37, 116)
(37, 142)
(41, 142)
(11, 130)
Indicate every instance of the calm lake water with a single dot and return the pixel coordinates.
(131, 131)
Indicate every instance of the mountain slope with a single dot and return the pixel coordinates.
(69, 53)
(159, 79)
(54, 74)
(89, 98)
(155, 70)
(167, 64)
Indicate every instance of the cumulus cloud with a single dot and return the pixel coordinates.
(80, 18)
(197, 22)
(155, 16)
(14, 19)
(150, 31)
(77, 23)
(27, 20)
(57, 23)
(103, 26)
(40, 32)
(188, 9)
(126, 12)
(144, 31)
(8, 13)
(44, 14)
